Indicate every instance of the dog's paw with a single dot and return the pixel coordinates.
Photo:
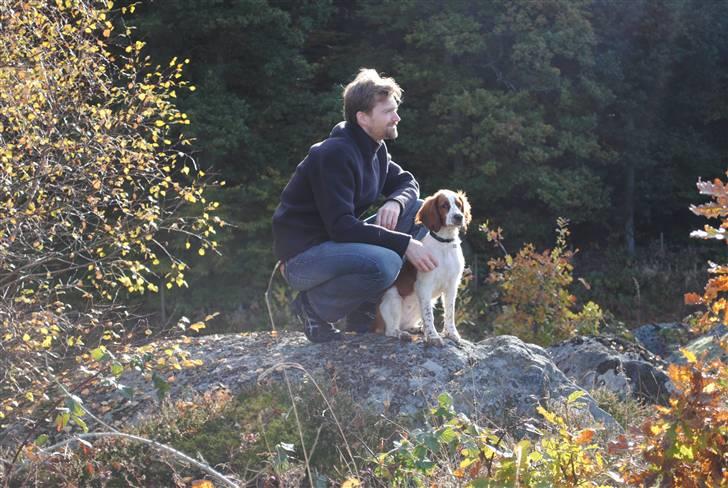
(417, 330)
(434, 340)
(452, 335)
(405, 336)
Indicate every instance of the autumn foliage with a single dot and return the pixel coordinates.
(686, 443)
(713, 296)
(537, 305)
(95, 188)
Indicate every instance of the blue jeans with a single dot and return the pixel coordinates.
(340, 276)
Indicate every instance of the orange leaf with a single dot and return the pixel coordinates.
(585, 436)
(693, 299)
(202, 484)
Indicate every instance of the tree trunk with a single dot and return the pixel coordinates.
(629, 198)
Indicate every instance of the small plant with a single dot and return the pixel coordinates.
(457, 450)
(536, 303)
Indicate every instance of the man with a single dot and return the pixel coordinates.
(340, 264)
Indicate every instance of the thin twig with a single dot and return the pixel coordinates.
(300, 431)
(267, 293)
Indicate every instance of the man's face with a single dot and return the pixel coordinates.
(382, 122)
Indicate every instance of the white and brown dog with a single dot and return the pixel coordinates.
(414, 293)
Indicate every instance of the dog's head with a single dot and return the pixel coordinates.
(445, 208)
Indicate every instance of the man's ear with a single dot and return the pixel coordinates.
(362, 118)
(429, 214)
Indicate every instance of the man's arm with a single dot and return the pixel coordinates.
(399, 186)
(332, 183)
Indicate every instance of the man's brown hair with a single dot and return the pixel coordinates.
(363, 93)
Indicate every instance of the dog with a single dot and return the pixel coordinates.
(445, 214)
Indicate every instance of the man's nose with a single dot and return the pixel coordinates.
(397, 118)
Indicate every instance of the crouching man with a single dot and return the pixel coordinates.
(340, 264)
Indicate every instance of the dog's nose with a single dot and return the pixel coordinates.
(458, 218)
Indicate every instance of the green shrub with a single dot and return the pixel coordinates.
(457, 451)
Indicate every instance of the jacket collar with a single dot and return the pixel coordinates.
(366, 144)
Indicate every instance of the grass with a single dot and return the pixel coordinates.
(255, 438)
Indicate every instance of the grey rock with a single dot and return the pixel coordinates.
(706, 347)
(498, 378)
(664, 338)
(622, 367)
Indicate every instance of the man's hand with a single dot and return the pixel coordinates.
(420, 257)
(388, 215)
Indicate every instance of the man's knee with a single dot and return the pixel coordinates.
(388, 264)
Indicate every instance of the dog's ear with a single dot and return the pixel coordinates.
(429, 214)
(465, 206)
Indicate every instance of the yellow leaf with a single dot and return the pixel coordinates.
(197, 326)
(26, 337)
(689, 355)
(351, 483)
(29, 396)
(202, 484)
(201, 251)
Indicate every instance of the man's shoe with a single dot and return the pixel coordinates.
(316, 329)
(362, 319)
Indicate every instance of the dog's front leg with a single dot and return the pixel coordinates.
(448, 304)
(424, 295)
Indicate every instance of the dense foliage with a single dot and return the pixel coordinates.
(96, 188)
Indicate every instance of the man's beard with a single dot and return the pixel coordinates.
(391, 133)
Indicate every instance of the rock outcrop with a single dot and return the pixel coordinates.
(498, 378)
(663, 338)
(615, 364)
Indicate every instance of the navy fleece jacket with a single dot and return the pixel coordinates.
(340, 178)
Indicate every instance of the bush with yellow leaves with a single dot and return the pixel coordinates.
(95, 185)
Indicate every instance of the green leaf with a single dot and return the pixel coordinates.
(160, 384)
(99, 354)
(79, 421)
(74, 406)
(444, 400)
(116, 368)
(575, 396)
(41, 439)
(448, 435)
(62, 420)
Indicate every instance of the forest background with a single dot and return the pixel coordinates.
(605, 112)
